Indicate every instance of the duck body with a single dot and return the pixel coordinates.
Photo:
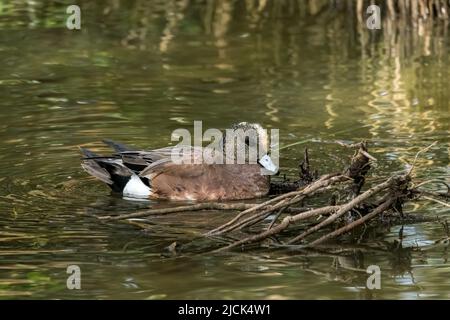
(153, 175)
(205, 182)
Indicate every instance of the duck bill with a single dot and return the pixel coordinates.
(270, 168)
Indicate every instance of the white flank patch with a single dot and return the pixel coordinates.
(135, 188)
(190, 197)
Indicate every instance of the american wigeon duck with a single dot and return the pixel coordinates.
(155, 175)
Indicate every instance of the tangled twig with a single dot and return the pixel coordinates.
(312, 224)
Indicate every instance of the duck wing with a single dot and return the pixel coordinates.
(139, 161)
(163, 159)
(135, 159)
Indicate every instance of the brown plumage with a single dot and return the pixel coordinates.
(204, 182)
(154, 175)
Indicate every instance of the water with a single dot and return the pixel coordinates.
(137, 71)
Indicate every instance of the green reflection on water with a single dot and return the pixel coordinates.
(138, 70)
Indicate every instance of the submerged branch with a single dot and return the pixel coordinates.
(194, 207)
(380, 209)
(345, 208)
(349, 207)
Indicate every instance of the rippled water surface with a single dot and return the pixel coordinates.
(138, 70)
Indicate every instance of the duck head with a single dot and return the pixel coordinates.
(250, 142)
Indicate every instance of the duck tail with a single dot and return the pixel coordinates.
(112, 171)
(117, 146)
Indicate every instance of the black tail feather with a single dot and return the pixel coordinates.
(118, 147)
(110, 170)
(88, 153)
